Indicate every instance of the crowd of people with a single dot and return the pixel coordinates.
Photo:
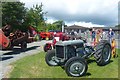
(95, 35)
(99, 34)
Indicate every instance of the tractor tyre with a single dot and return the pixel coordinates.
(47, 47)
(49, 58)
(103, 53)
(76, 67)
(23, 46)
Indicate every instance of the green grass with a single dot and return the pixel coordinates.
(35, 67)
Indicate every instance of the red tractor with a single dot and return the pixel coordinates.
(46, 35)
(10, 39)
(60, 36)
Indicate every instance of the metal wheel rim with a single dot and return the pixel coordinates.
(51, 60)
(77, 69)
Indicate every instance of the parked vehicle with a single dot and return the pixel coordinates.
(57, 37)
(72, 55)
(46, 35)
(10, 39)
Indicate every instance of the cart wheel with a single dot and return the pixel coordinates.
(49, 58)
(76, 66)
(103, 53)
(24, 46)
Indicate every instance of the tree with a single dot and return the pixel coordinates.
(13, 13)
(118, 26)
(35, 16)
(51, 27)
(59, 24)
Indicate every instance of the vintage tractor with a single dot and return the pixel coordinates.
(60, 36)
(10, 39)
(72, 55)
(46, 35)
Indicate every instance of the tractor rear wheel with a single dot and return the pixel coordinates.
(76, 66)
(103, 53)
(49, 58)
(24, 46)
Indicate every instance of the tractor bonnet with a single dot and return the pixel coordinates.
(70, 42)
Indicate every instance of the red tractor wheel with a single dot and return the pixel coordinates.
(47, 47)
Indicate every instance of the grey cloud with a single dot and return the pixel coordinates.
(107, 19)
(102, 12)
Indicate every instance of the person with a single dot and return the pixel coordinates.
(93, 34)
(110, 35)
(113, 45)
(72, 35)
(97, 35)
(75, 32)
(104, 35)
(72, 32)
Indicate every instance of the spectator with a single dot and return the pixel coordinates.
(104, 35)
(98, 35)
(72, 32)
(93, 34)
(110, 35)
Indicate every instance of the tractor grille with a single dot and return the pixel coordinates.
(60, 51)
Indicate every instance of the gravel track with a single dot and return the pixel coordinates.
(9, 56)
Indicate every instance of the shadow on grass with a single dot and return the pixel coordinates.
(89, 61)
(92, 61)
(87, 74)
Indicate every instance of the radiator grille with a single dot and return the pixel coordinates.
(60, 51)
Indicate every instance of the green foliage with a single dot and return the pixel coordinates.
(118, 26)
(13, 13)
(35, 18)
(59, 24)
(52, 27)
(19, 17)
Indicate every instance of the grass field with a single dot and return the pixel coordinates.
(35, 67)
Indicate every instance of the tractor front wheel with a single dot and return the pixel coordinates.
(50, 58)
(76, 66)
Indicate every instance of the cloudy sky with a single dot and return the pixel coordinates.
(89, 13)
